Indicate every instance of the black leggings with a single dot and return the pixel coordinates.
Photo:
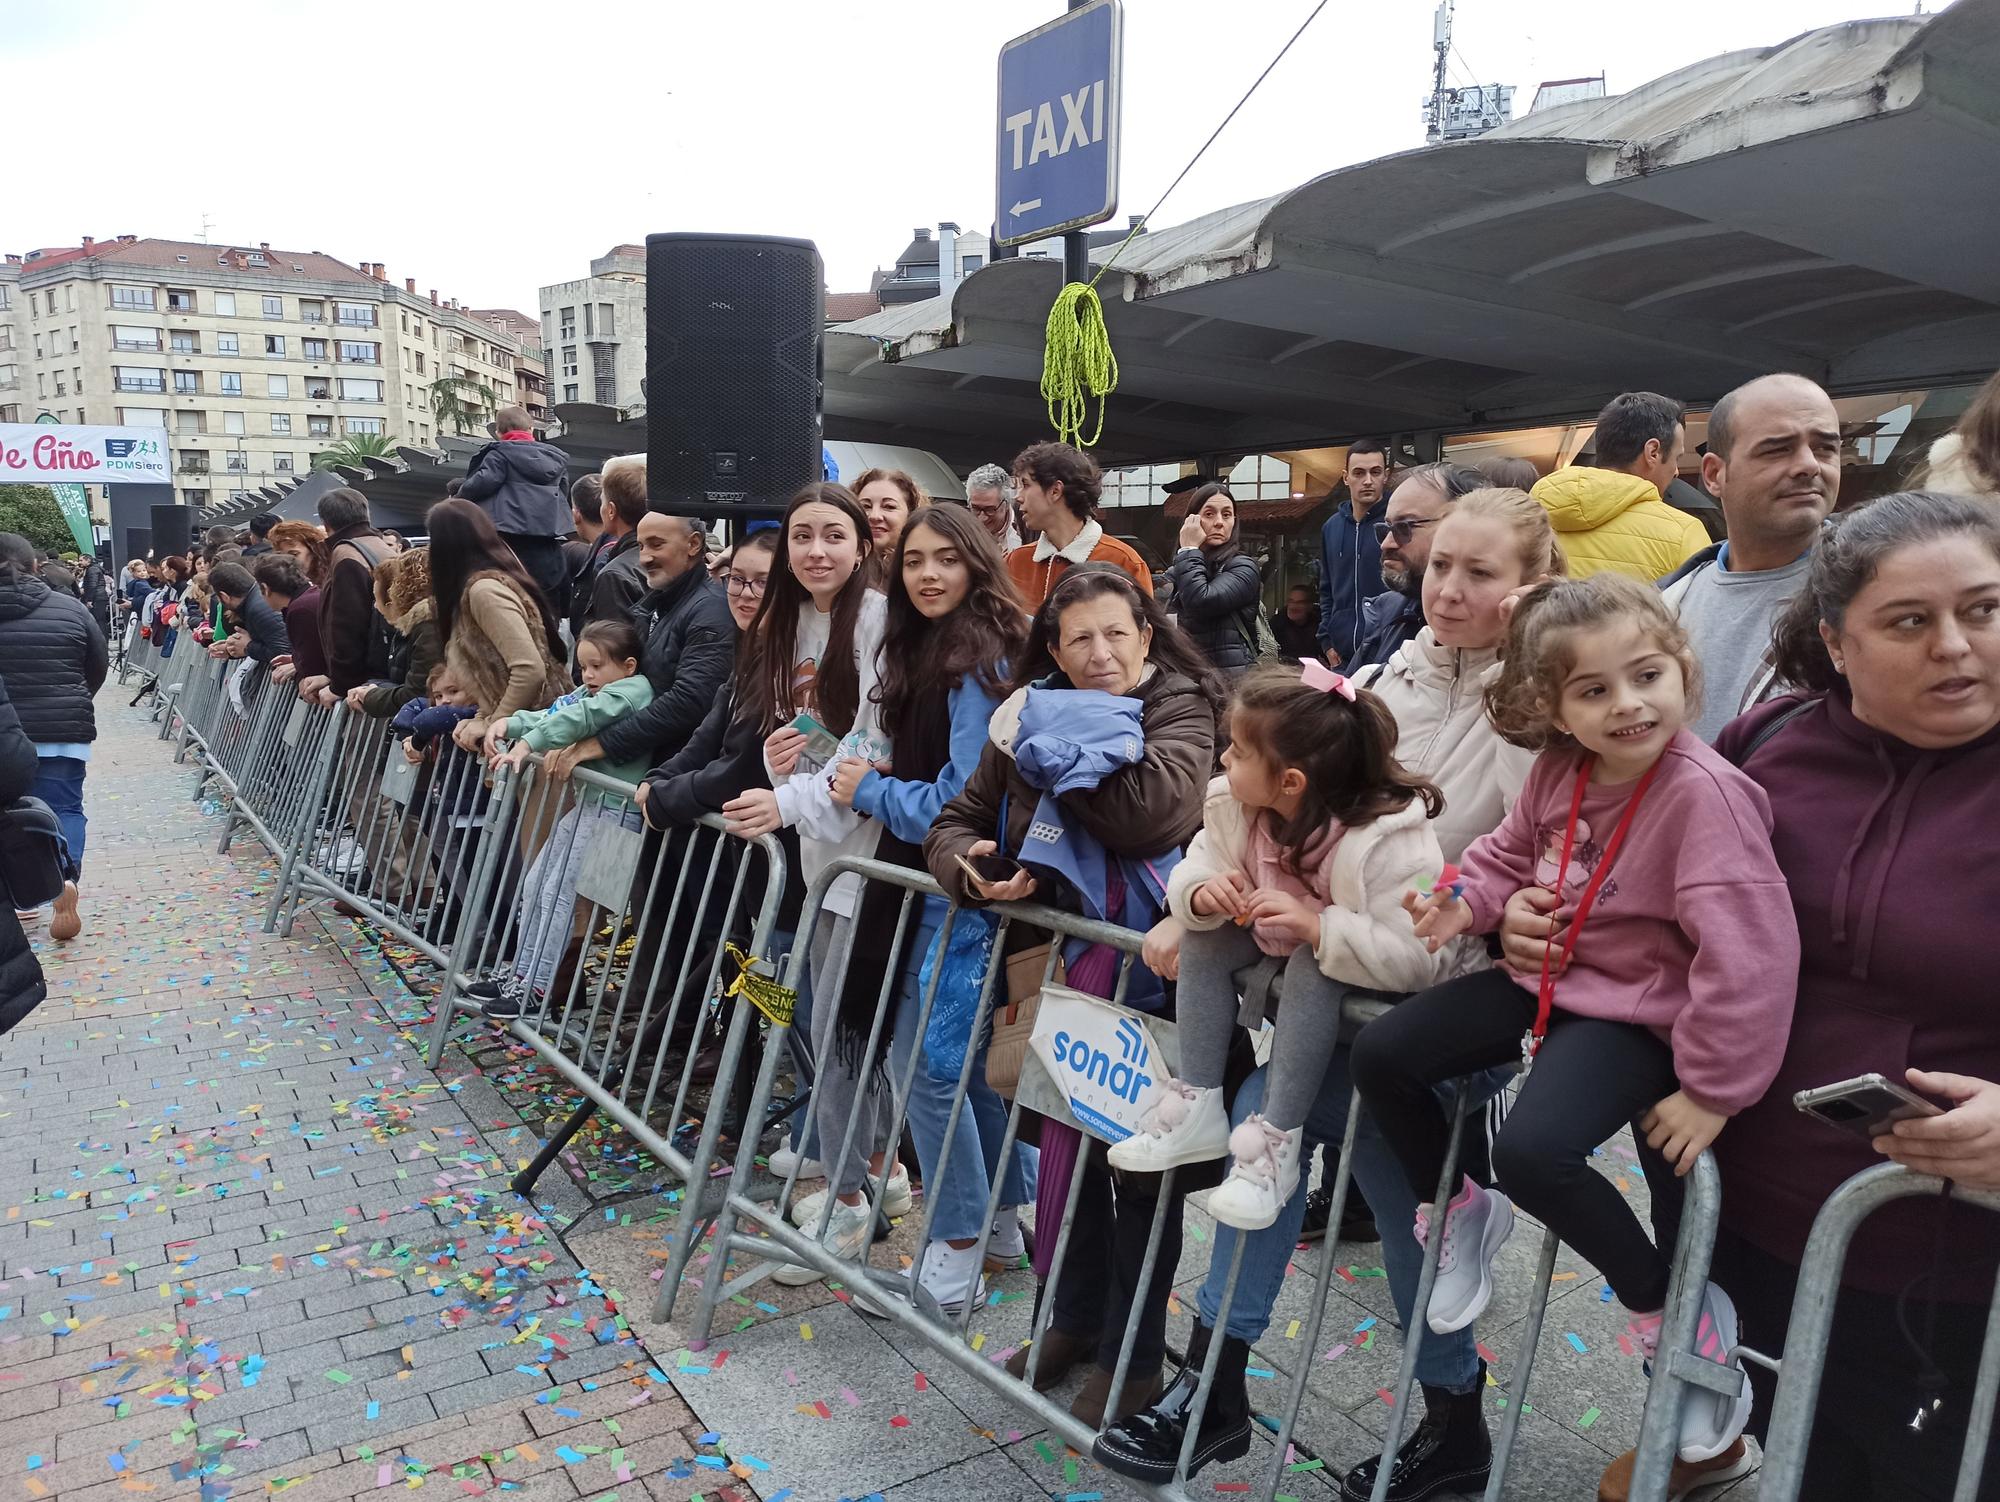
(1590, 1078)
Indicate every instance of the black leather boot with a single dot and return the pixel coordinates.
(1449, 1452)
(1147, 1445)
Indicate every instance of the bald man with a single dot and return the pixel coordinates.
(1774, 462)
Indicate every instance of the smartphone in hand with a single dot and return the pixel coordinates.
(991, 869)
(1867, 1105)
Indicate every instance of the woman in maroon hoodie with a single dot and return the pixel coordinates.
(1884, 784)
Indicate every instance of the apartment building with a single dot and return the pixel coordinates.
(594, 331)
(254, 360)
(531, 370)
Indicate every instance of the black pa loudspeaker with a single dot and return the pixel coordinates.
(138, 542)
(732, 373)
(173, 530)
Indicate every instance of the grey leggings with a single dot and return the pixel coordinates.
(1207, 1013)
(836, 1083)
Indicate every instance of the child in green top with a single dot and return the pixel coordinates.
(607, 654)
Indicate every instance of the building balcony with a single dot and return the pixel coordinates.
(192, 467)
(136, 383)
(150, 347)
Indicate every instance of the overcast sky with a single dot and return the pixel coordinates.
(489, 150)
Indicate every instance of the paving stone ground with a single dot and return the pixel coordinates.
(251, 1245)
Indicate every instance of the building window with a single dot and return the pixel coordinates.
(312, 310)
(184, 342)
(232, 422)
(279, 386)
(225, 305)
(360, 391)
(569, 361)
(355, 426)
(319, 427)
(121, 297)
(319, 390)
(142, 417)
(187, 383)
(607, 390)
(420, 362)
(132, 378)
(274, 344)
(180, 300)
(359, 313)
(569, 323)
(274, 307)
(236, 461)
(189, 424)
(195, 497)
(281, 422)
(225, 344)
(315, 349)
(194, 461)
(123, 336)
(358, 354)
(232, 383)
(569, 393)
(282, 463)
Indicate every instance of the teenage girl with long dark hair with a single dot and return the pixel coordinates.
(806, 671)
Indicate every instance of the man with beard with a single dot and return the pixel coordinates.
(1415, 508)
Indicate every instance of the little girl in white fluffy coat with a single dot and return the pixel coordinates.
(1292, 892)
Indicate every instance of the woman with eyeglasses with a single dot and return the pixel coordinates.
(1218, 589)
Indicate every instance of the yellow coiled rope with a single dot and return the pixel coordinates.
(1077, 363)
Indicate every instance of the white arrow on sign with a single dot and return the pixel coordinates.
(1024, 206)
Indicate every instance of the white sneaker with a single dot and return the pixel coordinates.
(1008, 1245)
(1476, 1225)
(846, 1237)
(897, 1201)
(1265, 1175)
(1711, 1421)
(952, 1275)
(782, 1161)
(1187, 1125)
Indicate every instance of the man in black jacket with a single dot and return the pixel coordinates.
(690, 645)
(584, 554)
(522, 485)
(621, 577)
(263, 628)
(1417, 505)
(54, 660)
(22, 985)
(260, 535)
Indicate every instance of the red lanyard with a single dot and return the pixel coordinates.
(1532, 1043)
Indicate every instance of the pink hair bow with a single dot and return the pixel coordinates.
(1316, 674)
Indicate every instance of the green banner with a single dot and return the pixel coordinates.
(75, 503)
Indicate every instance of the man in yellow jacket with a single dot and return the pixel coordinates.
(1613, 517)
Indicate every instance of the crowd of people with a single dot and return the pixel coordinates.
(1674, 827)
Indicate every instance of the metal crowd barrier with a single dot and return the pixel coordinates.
(621, 1017)
(1811, 1328)
(399, 843)
(723, 1216)
(141, 654)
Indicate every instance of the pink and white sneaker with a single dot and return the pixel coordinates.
(1710, 1421)
(1476, 1225)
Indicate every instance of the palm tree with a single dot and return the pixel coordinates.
(462, 402)
(354, 448)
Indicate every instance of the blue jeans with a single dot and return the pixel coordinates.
(59, 783)
(975, 1146)
(1447, 1361)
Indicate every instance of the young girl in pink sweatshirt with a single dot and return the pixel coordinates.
(1668, 995)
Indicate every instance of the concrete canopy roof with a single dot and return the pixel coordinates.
(1815, 206)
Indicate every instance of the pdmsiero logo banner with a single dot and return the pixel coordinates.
(41, 453)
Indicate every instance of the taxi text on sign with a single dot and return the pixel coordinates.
(1058, 127)
(40, 454)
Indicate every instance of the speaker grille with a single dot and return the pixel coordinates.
(732, 370)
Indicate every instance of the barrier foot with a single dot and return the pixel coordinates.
(523, 1183)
